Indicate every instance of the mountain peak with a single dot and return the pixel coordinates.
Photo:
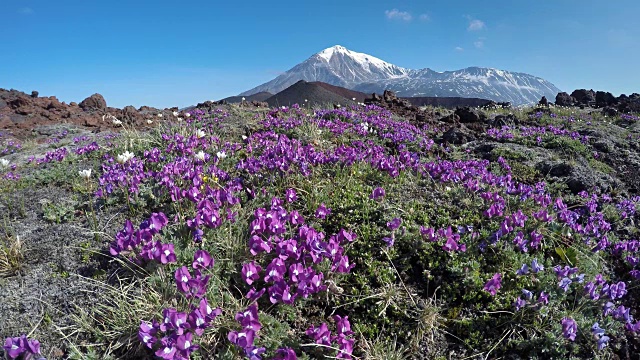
(362, 59)
(346, 68)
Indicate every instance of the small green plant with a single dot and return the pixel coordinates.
(57, 213)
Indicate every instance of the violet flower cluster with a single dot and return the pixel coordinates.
(22, 347)
(322, 336)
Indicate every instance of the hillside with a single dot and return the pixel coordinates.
(261, 96)
(306, 233)
(313, 93)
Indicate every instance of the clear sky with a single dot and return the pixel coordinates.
(177, 53)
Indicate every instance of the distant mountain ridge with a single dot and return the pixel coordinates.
(342, 67)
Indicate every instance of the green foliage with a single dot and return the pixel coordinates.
(58, 212)
(567, 145)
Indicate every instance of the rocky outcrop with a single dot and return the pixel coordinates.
(609, 104)
(584, 97)
(21, 113)
(390, 101)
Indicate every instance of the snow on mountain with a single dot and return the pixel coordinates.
(340, 66)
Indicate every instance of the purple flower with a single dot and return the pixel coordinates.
(527, 294)
(602, 342)
(291, 195)
(286, 354)
(543, 298)
(524, 270)
(13, 347)
(377, 193)
(166, 350)
(394, 224)
(493, 285)
(607, 308)
(202, 260)
(147, 333)
(167, 254)
(243, 338)
(564, 284)
(535, 266)
(254, 295)
(182, 277)
(569, 328)
(251, 272)
(519, 303)
(185, 344)
(622, 313)
(342, 325)
(320, 334)
(253, 353)
(388, 240)
(322, 211)
(275, 270)
(596, 330)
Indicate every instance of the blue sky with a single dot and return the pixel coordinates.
(170, 53)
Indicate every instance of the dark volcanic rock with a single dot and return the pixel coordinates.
(543, 101)
(34, 94)
(93, 102)
(605, 99)
(458, 135)
(564, 99)
(312, 93)
(470, 115)
(601, 99)
(584, 97)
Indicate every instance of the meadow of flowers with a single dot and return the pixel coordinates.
(304, 233)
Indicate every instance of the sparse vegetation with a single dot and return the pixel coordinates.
(302, 233)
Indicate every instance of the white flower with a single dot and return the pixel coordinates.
(243, 99)
(200, 133)
(149, 121)
(175, 113)
(160, 115)
(85, 174)
(187, 115)
(338, 106)
(180, 119)
(244, 137)
(354, 99)
(305, 100)
(200, 155)
(116, 122)
(124, 157)
(284, 108)
(4, 162)
(221, 154)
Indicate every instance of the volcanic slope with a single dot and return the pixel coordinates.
(313, 93)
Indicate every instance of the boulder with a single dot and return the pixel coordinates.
(93, 102)
(470, 115)
(584, 97)
(458, 135)
(389, 96)
(34, 94)
(604, 99)
(543, 101)
(564, 99)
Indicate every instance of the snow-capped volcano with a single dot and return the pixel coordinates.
(340, 66)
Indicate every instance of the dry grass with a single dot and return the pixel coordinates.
(11, 256)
